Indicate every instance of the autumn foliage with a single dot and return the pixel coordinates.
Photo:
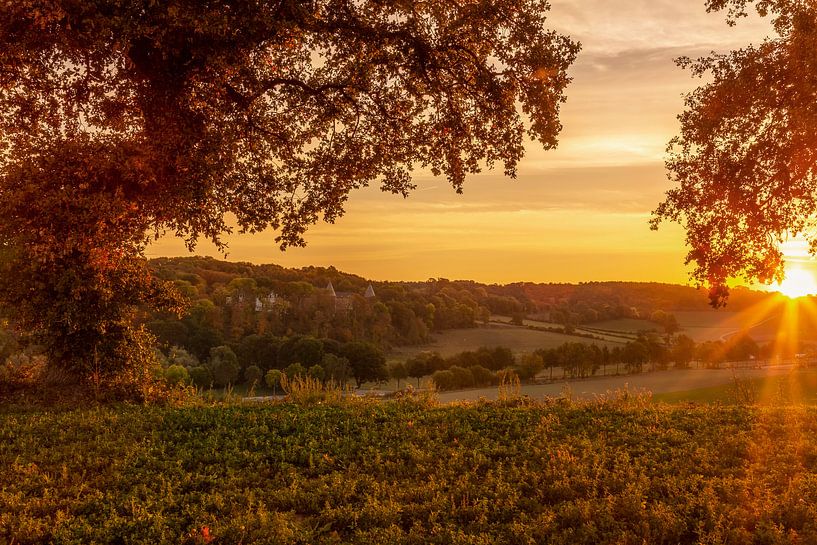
(744, 163)
(122, 120)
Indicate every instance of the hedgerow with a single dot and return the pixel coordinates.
(406, 473)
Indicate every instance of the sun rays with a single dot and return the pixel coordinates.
(799, 282)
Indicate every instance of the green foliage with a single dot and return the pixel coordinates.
(295, 370)
(408, 473)
(398, 371)
(337, 368)
(224, 366)
(273, 379)
(180, 356)
(112, 130)
(316, 372)
(253, 374)
(367, 361)
(176, 375)
(444, 380)
(201, 377)
(529, 365)
(482, 376)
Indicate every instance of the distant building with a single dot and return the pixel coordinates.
(344, 300)
(269, 302)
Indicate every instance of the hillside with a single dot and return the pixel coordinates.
(233, 300)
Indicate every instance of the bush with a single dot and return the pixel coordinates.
(201, 376)
(253, 374)
(462, 377)
(482, 376)
(444, 380)
(180, 356)
(175, 375)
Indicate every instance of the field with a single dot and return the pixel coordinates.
(797, 386)
(659, 383)
(518, 339)
(409, 473)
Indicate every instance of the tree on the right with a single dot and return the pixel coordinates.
(744, 165)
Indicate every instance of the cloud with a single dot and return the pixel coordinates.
(609, 27)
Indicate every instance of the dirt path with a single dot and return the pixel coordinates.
(655, 382)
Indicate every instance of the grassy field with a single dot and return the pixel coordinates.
(408, 473)
(518, 339)
(798, 387)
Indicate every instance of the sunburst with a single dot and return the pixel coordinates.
(798, 283)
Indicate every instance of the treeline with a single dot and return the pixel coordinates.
(251, 361)
(649, 352)
(230, 301)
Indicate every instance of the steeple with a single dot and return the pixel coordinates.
(369, 292)
(331, 289)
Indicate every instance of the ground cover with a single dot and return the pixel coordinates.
(368, 473)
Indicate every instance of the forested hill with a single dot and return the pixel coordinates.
(233, 300)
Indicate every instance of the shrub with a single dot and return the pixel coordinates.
(444, 380)
(201, 376)
(462, 377)
(482, 376)
(180, 356)
(176, 374)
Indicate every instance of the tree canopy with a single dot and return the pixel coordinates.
(122, 120)
(745, 161)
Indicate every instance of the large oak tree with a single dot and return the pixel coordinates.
(123, 119)
(745, 162)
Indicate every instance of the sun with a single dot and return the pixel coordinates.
(798, 283)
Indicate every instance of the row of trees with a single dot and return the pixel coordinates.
(298, 356)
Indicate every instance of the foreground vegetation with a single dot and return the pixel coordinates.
(409, 472)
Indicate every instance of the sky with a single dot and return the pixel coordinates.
(578, 213)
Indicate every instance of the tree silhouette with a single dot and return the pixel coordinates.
(123, 120)
(744, 162)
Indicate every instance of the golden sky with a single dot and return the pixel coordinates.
(578, 213)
